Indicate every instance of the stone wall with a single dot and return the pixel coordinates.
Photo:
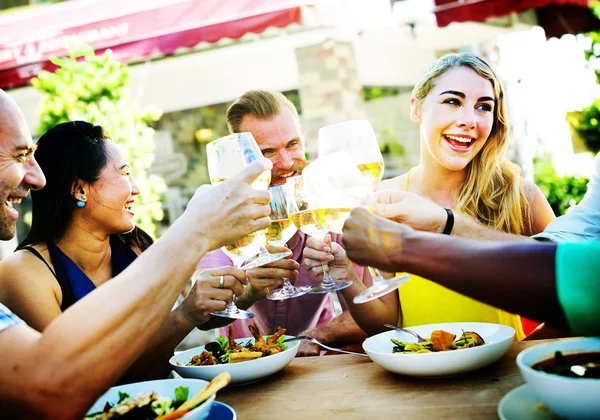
(329, 90)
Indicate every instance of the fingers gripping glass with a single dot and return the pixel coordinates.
(316, 221)
(226, 157)
(358, 139)
(279, 233)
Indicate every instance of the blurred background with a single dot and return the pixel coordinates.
(159, 75)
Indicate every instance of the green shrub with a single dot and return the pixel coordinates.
(562, 192)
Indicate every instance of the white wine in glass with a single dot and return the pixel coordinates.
(329, 189)
(282, 229)
(357, 138)
(226, 157)
(372, 171)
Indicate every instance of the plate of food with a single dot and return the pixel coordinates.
(189, 399)
(246, 359)
(449, 349)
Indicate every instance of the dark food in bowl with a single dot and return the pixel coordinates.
(578, 365)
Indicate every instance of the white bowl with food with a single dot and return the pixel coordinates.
(152, 397)
(568, 383)
(248, 360)
(432, 363)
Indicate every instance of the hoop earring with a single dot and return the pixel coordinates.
(81, 202)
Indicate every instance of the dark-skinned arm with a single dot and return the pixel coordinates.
(505, 275)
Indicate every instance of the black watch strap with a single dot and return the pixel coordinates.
(449, 222)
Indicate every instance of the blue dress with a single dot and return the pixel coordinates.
(74, 284)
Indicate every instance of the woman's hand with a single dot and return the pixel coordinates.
(409, 208)
(206, 296)
(317, 253)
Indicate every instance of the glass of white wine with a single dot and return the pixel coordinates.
(323, 197)
(357, 138)
(282, 229)
(226, 157)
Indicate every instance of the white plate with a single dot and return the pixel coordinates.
(241, 373)
(522, 404)
(163, 388)
(498, 339)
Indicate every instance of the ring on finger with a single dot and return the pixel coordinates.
(221, 281)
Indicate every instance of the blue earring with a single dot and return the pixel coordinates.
(81, 201)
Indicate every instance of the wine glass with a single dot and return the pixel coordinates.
(322, 199)
(357, 138)
(279, 233)
(226, 156)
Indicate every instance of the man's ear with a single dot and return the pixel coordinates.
(415, 110)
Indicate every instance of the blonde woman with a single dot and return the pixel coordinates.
(460, 107)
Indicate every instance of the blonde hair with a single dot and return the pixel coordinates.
(261, 104)
(493, 190)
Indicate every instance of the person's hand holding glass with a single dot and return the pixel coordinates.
(226, 156)
(357, 138)
(322, 199)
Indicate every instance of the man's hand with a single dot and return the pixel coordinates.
(232, 209)
(308, 349)
(206, 296)
(374, 241)
(317, 253)
(270, 275)
(417, 212)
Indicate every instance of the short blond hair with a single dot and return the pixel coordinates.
(261, 104)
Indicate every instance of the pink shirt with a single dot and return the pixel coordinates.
(295, 315)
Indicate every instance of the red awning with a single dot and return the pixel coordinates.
(133, 29)
(448, 11)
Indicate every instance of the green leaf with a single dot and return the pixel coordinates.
(223, 341)
(181, 394)
(122, 396)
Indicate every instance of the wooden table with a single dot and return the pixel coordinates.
(353, 387)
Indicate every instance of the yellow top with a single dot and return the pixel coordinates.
(425, 302)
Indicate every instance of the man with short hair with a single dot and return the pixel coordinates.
(274, 122)
(59, 373)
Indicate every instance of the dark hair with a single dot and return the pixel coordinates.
(66, 153)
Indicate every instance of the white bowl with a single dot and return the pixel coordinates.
(242, 372)
(163, 388)
(571, 398)
(498, 339)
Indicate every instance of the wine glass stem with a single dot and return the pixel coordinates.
(327, 280)
(263, 252)
(287, 286)
(377, 277)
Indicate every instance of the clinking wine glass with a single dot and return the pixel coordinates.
(357, 138)
(325, 195)
(226, 156)
(282, 229)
